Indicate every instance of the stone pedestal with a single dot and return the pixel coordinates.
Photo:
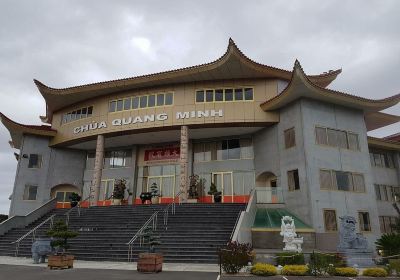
(362, 258)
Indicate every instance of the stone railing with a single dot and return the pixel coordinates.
(242, 231)
(23, 221)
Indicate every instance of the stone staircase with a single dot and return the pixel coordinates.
(193, 234)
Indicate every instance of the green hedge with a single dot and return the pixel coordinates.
(290, 258)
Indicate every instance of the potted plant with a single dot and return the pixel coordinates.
(214, 192)
(74, 199)
(150, 261)
(60, 235)
(118, 192)
(155, 195)
(193, 188)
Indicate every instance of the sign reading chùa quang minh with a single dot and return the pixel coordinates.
(148, 118)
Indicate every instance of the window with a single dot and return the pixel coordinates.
(35, 161)
(341, 180)
(387, 193)
(30, 192)
(325, 178)
(381, 159)
(80, 113)
(293, 180)
(336, 138)
(200, 96)
(224, 95)
(115, 159)
(364, 221)
(386, 223)
(143, 101)
(151, 101)
(330, 220)
(224, 150)
(290, 139)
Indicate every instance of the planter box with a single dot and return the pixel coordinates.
(150, 262)
(61, 261)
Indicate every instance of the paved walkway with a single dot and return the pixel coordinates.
(113, 265)
(12, 272)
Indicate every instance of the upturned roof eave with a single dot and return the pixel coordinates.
(232, 52)
(300, 86)
(17, 130)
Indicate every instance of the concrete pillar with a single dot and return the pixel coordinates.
(98, 167)
(184, 162)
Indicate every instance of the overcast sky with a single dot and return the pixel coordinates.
(67, 43)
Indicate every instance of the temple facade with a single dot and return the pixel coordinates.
(240, 125)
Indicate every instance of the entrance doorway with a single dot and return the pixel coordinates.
(223, 182)
(165, 185)
(62, 193)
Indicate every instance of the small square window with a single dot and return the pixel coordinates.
(330, 220)
(135, 102)
(248, 94)
(78, 114)
(229, 94)
(143, 101)
(160, 99)
(127, 104)
(152, 101)
(365, 224)
(34, 161)
(209, 96)
(238, 94)
(30, 192)
(119, 105)
(200, 96)
(84, 112)
(90, 111)
(293, 180)
(290, 139)
(169, 98)
(219, 95)
(113, 106)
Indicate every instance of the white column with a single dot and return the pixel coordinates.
(98, 167)
(184, 162)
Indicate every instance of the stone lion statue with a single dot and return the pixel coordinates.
(348, 238)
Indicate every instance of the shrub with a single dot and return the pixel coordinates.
(289, 258)
(235, 256)
(321, 264)
(295, 270)
(375, 272)
(263, 269)
(346, 271)
(394, 264)
(389, 244)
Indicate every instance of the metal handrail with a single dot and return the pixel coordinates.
(154, 220)
(79, 210)
(139, 234)
(173, 206)
(33, 232)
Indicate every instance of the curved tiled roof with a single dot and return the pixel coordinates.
(301, 86)
(233, 64)
(17, 130)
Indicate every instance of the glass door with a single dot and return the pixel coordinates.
(223, 182)
(63, 199)
(165, 185)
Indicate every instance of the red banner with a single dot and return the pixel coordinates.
(163, 154)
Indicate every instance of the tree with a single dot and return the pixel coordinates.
(61, 234)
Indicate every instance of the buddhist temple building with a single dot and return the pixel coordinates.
(242, 126)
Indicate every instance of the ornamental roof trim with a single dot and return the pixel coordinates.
(300, 86)
(233, 64)
(17, 130)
